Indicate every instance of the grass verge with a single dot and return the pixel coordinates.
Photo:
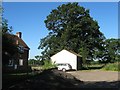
(112, 67)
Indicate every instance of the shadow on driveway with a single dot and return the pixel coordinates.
(53, 79)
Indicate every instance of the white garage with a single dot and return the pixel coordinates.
(65, 56)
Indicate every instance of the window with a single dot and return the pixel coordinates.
(21, 48)
(10, 63)
(21, 62)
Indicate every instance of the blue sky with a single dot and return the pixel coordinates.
(28, 18)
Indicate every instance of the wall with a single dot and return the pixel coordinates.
(65, 57)
(25, 57)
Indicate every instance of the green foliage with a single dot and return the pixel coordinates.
(9, 48)
(33, 62)
(109, 53)
(48, 64)
(41, 64)
(37, 57)
(94, 62)
(112, 49)
(84, 52)
(112, 67)
(71, 27)
(1, 10)
(36, 62)
(5, 27)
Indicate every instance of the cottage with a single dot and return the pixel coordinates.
(65, 56)
(20, 59)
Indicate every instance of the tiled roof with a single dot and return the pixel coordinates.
(20, 41)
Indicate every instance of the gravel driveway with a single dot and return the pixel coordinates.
(95, 75)
(53, 79)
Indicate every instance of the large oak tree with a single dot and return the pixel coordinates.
(71, 27)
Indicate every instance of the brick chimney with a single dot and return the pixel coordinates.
(19, 34)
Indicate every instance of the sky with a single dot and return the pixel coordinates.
(28, 18)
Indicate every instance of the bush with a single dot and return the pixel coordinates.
(48, 64)
(112, 67)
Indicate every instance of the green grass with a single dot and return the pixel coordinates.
(37, 67)
(112, 67)
(96, 66)
(92, 67)
(107, 67)
(44, 67)
(47, 65)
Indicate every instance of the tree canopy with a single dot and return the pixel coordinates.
(112, 50)
(71, 27)
(8, 46)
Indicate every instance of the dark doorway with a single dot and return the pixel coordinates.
(79, 63)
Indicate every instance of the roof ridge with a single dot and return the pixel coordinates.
(19, 39)
(73, 52)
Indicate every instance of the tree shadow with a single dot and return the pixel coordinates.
(53, 79)
(102, 84)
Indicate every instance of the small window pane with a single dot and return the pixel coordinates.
(10, 63)
(21, 62)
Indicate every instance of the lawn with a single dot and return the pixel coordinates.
(112, 67)
(106, 67)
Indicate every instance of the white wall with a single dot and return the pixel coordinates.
(65, 56)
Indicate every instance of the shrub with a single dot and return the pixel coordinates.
(112, 67)
(48, 64)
